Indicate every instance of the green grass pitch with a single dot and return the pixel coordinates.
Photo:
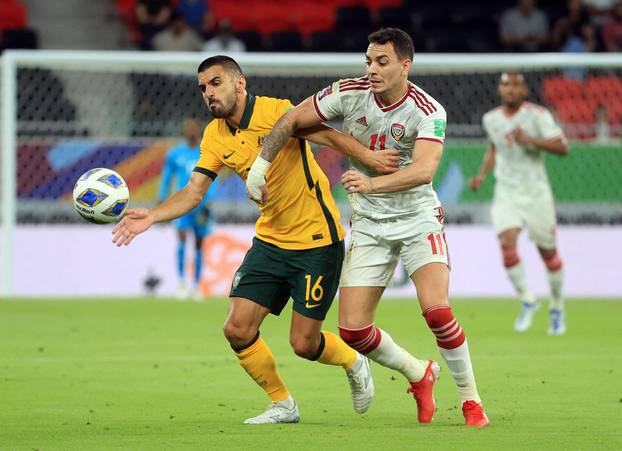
(157, 374)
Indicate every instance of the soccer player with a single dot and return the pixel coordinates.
(395, 216)
(298, 248)
(179, 164)
(519, 132)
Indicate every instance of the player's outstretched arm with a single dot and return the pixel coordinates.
(381, 161)
(487, 165)
(302, 116)
(426, 157)
(138, 220)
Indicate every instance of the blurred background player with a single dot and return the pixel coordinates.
(179, 164)
(399, 217)
(519, 132)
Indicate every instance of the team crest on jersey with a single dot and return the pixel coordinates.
(397, 131)
(325, 92)
(261, 140)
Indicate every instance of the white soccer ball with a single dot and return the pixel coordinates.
(101, 196)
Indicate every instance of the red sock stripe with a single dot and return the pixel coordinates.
(364, 340)
(445, 327)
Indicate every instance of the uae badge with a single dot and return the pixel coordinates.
(397, 131)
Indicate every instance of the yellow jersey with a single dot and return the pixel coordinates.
(300, 212)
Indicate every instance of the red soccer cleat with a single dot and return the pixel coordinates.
(423, 392)
(474, 415)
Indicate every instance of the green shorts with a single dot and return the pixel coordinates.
(270, 275)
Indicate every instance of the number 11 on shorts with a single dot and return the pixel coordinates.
(436, 242)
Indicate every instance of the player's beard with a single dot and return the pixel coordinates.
(224, 112)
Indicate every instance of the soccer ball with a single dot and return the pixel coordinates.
(101, 196)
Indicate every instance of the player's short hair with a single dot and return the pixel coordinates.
(402, 42)
(229, 64)
(503, 78)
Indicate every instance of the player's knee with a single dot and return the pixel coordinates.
(510, 256)
(551, 259)
(304, 346)
(238, 335)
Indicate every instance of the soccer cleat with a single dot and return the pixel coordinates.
(197, 294)
(474, 415)
(182, 292)
(361, 384)
(557, 319)
(285, 411)
(423, 392)
(525, 317)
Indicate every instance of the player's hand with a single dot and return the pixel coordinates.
(355, 182)
(520, 137)
(476, 182)
(135, 221)
(384, 161)
(263, 189)
(256, 180)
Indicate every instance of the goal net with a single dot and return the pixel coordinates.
(67, 112)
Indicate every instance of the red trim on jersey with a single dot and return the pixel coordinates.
(391, 107)
(355, 88)
(353, 80)
(419, 104)
(430, 139)
(317, 109)
(424, 100)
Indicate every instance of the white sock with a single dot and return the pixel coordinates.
(389, 354)
(516, 274)
(556, 281)
(458, 362)
(288, 402)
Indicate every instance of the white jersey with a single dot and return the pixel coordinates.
(520, 166)
(415, 116)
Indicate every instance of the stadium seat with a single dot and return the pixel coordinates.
(19, 39)
(353, 39)
(308, 17)
(267, 17)
(284, 41)
(559, 89)
(236, 12)
(375, 6)
(351, 17)
(604, 90)
(325, 41)
(394, 17)
(12, 15)
(251, 39)
(578, 117)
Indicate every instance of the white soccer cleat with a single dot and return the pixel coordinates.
(197, 294)
(285, 411)
(182, 292)
(557, 318)
(361, 384)
(525, 317)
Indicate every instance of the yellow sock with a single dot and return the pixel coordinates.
(259, 363)
(336, 351)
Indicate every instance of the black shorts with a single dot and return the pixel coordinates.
(270, 275)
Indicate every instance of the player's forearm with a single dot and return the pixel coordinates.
(410, 177)
(177, 205)
(346, 145)
(487, 164)
(555, 146)
(282, 131)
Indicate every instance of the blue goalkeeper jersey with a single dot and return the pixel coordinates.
(179, 164)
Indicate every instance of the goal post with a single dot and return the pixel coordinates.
(64, 110)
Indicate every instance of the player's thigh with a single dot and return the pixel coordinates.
(542, 222)
(432, 284)
(505, 212)
(508, 238)
(423, 241)
(357, 306)
(261, 277)
(370, 260)
(314, 275)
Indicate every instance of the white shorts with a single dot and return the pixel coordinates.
(376, 245)
(511, 210)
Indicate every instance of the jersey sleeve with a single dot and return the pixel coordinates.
(547, 127)
(210, 161)
(327, 102)
(432, 127)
